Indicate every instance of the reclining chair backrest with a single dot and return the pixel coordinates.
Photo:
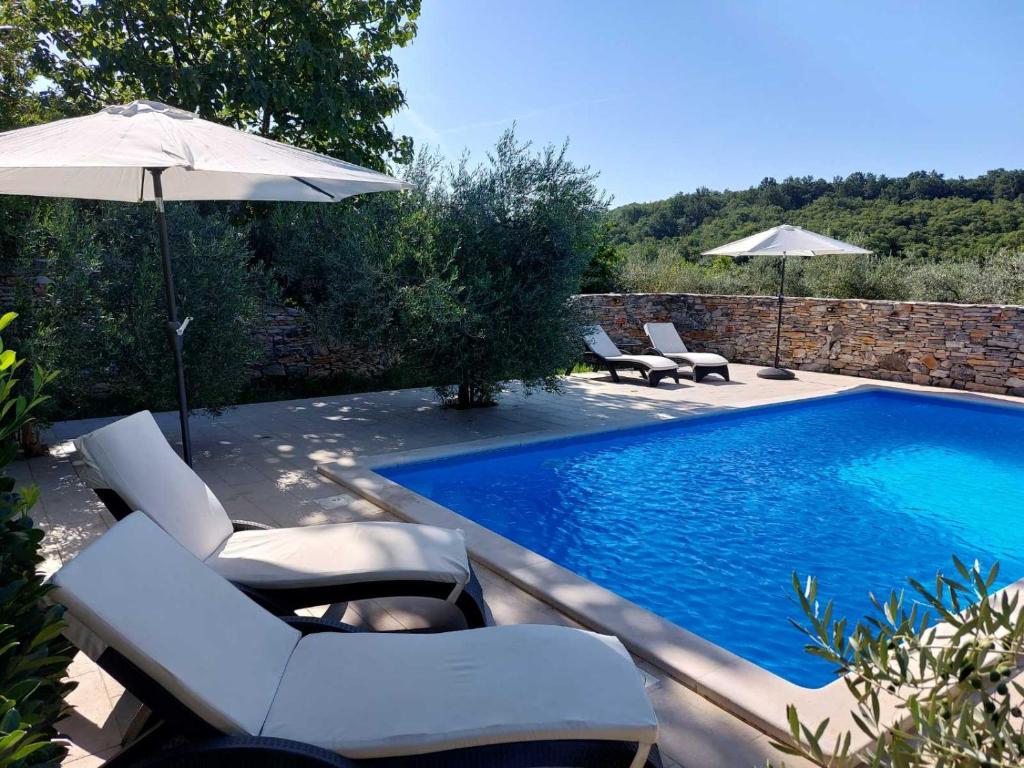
(192, 632)
(132, 458)
(665, 338)
(600, 343)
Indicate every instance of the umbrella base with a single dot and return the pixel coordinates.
(776, 373)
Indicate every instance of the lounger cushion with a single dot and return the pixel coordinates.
(245, 671)
(195, 634)
(653, 362)
(132, 458)
(665, 338)
(703, 359)
(378, 695)
(599, 342)
(324, 555)
(602, 346)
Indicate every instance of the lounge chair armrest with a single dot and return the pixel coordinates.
(311, 625)
(247, 751)
(250, 525)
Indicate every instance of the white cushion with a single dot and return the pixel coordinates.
(599, 342)
(195, 634)
(132, 458)
(705, 359)
(386, 695)
(318, 555)
(665, 338)
(654, 362)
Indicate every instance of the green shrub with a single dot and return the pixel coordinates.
(660, 267)
(925, 696)
(602, 273)
(650, 268)
(101, 318)
(998, 280)
(34, 656)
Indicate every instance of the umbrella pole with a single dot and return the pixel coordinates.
(777, 372)
(778, 323)
(173, 326)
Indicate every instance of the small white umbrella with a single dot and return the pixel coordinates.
(147, 151)
(784, 241)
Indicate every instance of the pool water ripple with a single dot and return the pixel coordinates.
(703, 520)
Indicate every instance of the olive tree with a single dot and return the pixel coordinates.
(925, 695)
(503, 246)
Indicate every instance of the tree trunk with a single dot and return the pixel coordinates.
(465, 396)
(30, 442)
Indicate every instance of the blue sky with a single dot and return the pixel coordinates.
(663, 96)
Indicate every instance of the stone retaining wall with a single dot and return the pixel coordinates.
(978, 347)
(293, 351)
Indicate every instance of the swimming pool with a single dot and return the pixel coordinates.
(702, 520)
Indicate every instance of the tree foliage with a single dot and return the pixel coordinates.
(926, 695)
(922, 214)
(507, 243)
(100, 316)
(933, 238)
(602, 272)
(315, 74)
(318, 74)
(351, 265)
(465, 280)
(18, 105)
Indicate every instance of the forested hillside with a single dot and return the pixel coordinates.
(933, 237)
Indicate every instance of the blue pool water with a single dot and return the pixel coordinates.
(703, 520)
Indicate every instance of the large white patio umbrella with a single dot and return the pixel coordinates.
(784, 241)
(147, 151)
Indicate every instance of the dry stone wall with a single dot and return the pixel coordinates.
(293, 351)
(978, 347)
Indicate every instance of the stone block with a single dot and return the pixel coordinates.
(990, 389)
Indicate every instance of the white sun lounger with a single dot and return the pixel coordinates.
(231, 678)
(651, 367)
(665, 340)
(132, 467)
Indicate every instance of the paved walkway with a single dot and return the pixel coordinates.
(259, 459)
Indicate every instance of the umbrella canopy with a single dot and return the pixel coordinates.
(783, 241)
(105, 156)
(147, 151)
(786, 240)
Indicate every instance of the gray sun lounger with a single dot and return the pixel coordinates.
(665, 341)
(651, 367)
(233, 685)
(131, 466)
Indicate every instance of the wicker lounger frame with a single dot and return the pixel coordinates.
(282, 602)
(652, 375)
(699, 371)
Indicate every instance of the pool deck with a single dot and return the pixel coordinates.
(261, 461)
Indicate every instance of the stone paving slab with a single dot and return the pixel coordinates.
(260, 460)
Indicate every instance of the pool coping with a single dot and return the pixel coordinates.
(742, 688)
